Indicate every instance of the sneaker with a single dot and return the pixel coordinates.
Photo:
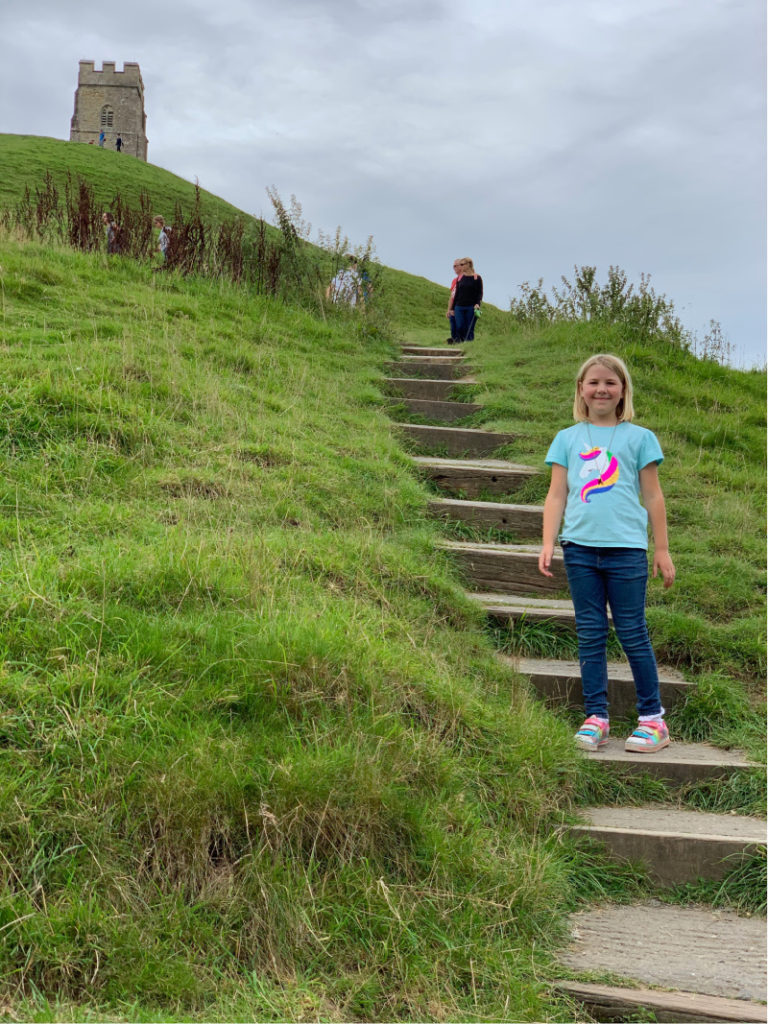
(593, 734)
(648, 737)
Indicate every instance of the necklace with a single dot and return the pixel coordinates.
(607, 447)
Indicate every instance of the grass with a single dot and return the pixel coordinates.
(27, 158)
(742, 890)
(259, 760)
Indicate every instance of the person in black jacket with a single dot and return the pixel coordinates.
(467, 300)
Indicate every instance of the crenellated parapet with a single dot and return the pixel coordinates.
(128, 78)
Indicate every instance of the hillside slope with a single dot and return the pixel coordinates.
(26, 159)
(259, 759)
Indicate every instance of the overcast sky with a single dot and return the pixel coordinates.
(531, 135)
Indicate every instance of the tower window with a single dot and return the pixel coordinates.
(107, 117)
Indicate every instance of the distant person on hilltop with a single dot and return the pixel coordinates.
(346, 287)
(163, 236)
(457, 269)
(466, 300)
(102, 139)
(119, 144)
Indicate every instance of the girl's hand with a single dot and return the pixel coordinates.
(545, 560)
(662, 563)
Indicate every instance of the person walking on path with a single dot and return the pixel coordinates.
(449, 313)
(102, 139)
(119, 144)
(601, 467)
(466, 301)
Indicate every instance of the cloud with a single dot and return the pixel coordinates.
(533, 136)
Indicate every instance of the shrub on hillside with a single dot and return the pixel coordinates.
(637, 308)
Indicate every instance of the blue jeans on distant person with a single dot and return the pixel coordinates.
(465, 322)
(454, 332)
(618, 576)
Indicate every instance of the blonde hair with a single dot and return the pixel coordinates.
(625, 410)
(466, 259)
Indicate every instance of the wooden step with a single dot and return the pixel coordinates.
(677, 846)
(609, 1002)
(507, 568)
(559, 682)
(420, 350)
(506, 609)
(446, 412)
(424, 388)
(445, 359)
(523, 521)
(679, 764)
(474, 478)
(455, 440)
(691, 950)
(439, 369)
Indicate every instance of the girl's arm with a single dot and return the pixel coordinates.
(554, 506)
(653, 499)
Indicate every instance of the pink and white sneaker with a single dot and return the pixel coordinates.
(593, 734)
(648, 737)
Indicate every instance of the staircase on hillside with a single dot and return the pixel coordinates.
(694, 964)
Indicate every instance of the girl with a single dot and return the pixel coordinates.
(600, 468)
(465, 301)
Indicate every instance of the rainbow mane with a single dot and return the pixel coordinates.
(598, 485)
(591, 454)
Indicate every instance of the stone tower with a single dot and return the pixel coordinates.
(113, 102)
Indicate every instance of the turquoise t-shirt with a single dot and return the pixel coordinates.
(603, 508)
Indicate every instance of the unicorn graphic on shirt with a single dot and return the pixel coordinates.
(603, 467)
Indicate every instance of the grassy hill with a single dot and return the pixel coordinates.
(26, 159)
(257, 757)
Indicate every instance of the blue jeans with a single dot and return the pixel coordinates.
(618, 576)
(465, 322)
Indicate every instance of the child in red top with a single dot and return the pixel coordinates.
(451, 318)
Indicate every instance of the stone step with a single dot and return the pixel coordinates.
(507, 568)
(439, 369)
(506, 609)
(520, 520)
(421, 350)
(473, 478)
(422, 387)
(446, 412)
(455, 440)
(559, 683)
(609, 1002)
(677, 846)
(693, 951)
